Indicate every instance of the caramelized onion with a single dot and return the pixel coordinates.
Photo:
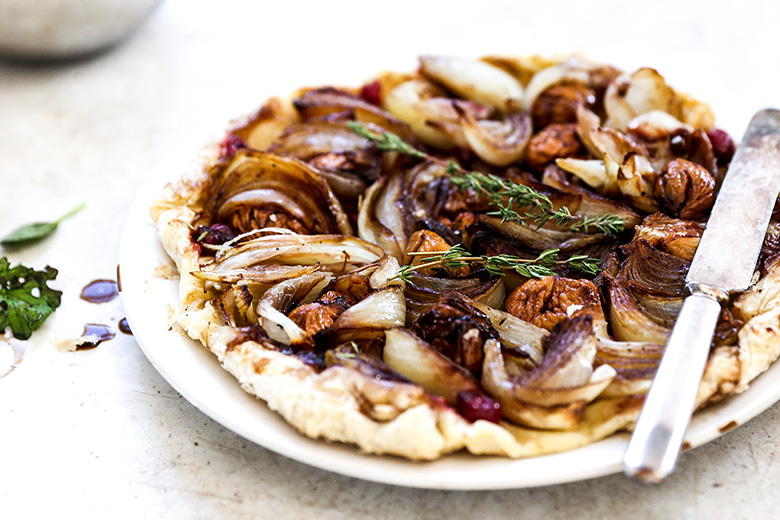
(234, 305)
(328, 102)
(423, 291)
(529, 236)
(656, 124)
(635, 364)
(653, 271)
(381, 394)
(630, 320)
(276, 303)
(255, 188)
(474, 80)
(380, 218)
(431, 116)
(671, 235)
(499, 143)
(267, 124)
(335, 253)
(307, 140)
(554, 394)
(414, 359)
(260, 274)
(515, 333)
(646, 294)
(626, 171)
(381, 309)
(568, 72)
(642, 91)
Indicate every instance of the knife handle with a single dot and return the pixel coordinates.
(658, 434)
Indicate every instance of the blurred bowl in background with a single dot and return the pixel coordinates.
(67, 29)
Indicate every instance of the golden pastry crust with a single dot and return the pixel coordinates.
(387, 416)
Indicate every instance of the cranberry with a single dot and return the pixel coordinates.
(722, 145)
(214, 235)
(230, 144)
(371, 93)
(474, 405)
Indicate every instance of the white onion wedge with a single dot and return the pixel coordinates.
(474, 80)
(634, 94)
(414, 359)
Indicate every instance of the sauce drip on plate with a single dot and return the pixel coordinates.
(124, 327)
(100, 291)
(100, 332)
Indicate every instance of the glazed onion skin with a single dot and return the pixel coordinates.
(381, 219)
(332, 103)
(474, 80)
(381, 393)
(635, 364)
(414, 359)
(423, 291)
(634, 94)
(334, 253)
(671, 235)
(499, 143)
(646, 294)
(554, 394)
(347, 161)
(257, 189)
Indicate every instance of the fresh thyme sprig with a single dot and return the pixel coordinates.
(505, 195)
(456, 257)
(386, 141)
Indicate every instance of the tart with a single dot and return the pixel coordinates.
(483, 254)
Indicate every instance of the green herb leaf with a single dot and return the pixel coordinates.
(502, 193)
(456, 256)
(25, 298)
(386, 141)
(36, 231)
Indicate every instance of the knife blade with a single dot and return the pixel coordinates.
(724, 262)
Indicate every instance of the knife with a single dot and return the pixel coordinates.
(724, 262)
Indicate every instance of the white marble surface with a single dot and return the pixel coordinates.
(99, 434)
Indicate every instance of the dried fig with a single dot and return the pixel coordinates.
(546, 301)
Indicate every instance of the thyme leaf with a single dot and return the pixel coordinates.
(543, 265)
(505, 195)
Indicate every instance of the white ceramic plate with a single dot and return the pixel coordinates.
(195, 373)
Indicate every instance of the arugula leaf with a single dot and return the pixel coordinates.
(25, 298)
(30, 233)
